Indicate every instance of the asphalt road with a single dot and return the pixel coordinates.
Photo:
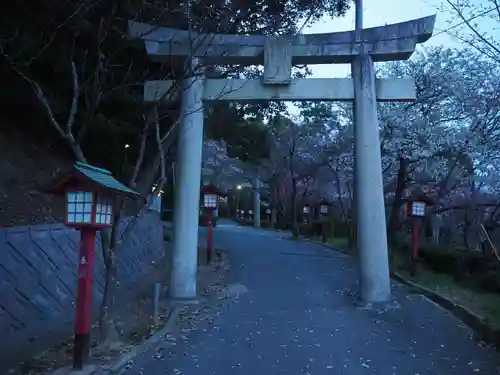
(291, 311)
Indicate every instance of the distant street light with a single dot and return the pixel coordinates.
(127, 145)
(239, 187)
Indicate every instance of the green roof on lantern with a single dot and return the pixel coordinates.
(102, 177)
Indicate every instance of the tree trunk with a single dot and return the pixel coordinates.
(295, 228)
(343, 209)
(398, 200)
(107, 330)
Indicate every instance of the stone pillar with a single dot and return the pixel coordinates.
(369, 201)
(187, 192)
(256, 203)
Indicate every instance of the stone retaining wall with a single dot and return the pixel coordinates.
(38, 281)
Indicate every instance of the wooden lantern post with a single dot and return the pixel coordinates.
(416, 209)
(306, 210)
(268, 216)
(210, 199)
(324, 208)
(89, 193)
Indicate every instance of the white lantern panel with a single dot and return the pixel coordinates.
(268, 211)
(250, 212)
(323, 209)
(79, 207)
(306, 209)
(418, 209)
(103, 209)
(242, 212)
(210, 201)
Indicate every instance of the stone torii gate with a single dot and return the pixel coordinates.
(278, 54)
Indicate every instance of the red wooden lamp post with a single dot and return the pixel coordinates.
(323, 215)
(89, 193)
(268, 216)
(306, 211)
(210, 199)
(416, 209)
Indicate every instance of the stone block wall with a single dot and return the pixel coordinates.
(38, 267)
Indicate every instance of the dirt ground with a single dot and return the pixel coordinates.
(134, 319)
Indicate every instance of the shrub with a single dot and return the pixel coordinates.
(317, 228)
(488, 281)
(265, 224)
(440, 259)
(339, 228)
(305, 229)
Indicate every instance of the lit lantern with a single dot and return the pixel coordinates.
(417, 205)
(306, 209)
(84, 208)
(89, 193)
(417, 208)
(268, 211)
(210, 201)
(324, 207)
(210, 197)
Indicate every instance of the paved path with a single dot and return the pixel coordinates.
(298, 317)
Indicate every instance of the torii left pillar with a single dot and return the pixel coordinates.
(187, 193)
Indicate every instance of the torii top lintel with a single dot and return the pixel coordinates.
(383, 43)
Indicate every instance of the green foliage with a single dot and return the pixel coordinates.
(41, 39)
(440, 259)
(246, 139)
(470, 268)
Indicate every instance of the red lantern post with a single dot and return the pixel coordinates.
(306, 210)
(416, 209)
(210, 199)
(89, 193)
(323, 214)
(268, 216)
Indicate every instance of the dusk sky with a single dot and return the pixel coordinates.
(379, 13)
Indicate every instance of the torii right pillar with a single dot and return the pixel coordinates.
(370, 207)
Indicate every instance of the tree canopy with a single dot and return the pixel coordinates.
(71, 64)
